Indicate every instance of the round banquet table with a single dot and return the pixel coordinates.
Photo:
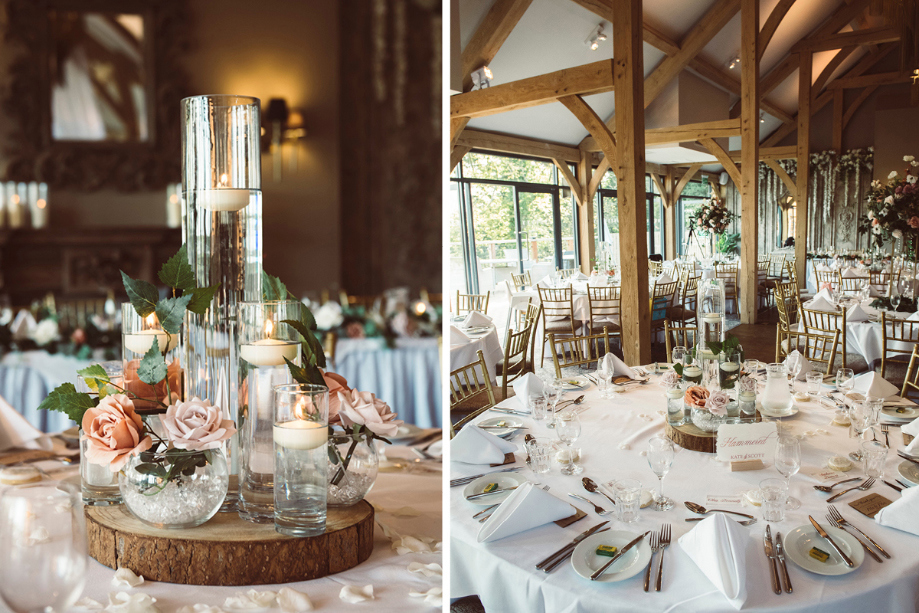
(502, 572)
(408, 503)
(463, 354)
(26, 378)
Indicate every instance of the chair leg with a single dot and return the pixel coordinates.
(542, 353)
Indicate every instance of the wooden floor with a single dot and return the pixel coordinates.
(758, 340)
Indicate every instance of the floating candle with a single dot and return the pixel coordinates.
(222, 199)
(269, 352)
(140, 342)
(300, 434)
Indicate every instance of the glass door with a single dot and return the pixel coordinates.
(495, 231)
(539, 234)
(607, 223)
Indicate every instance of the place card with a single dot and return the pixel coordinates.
(713, 500)
(509, 458)
(821, 473)
(870, 504)
(742, 442)
(567, 521)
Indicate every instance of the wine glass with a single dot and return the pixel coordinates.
(568, 429)
(845, 380)
(552, 394)
(660, 458)
(861, 416)
(794, 362)
(678, 354)
(42, 548)
(750, 367)
(788, 462)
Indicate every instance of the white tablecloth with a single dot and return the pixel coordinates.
(26, 378)
(465, 353)
(502, 573)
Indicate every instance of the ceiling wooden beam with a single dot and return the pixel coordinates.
(592, 122)
(862, 96)
(802, 178)
(772, 23)
(871, 36)
(572, 181)
(830, 68)
(723, 158)
(685, 179)
(881, 78)
(496, 26)
(504, 143)
(787, 180)
(457, 154)
(732, 84)
(594, 78)
(457, 125)
(693, 132)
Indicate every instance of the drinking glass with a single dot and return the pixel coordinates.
(42, 548)
(874, 457)
(553, 394)
(678, 354)
(627, 494)
(788, 462)
(775, 495)
(540, 451)
(750, 367)
(660, 458)
(98, 483)
(538, 406)
(729, 370)
(794, 363)
(845, 380)
(814, 381)
(860, 419)
(568, 429)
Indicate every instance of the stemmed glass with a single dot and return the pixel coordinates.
(552, 395)
(788, 462)
(42, 548)
(678, 354)
(895, 297)
(861, 417)
(794, 362)
(660, 458)
(845, 380)
(568, 429)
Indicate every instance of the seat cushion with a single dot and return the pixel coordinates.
(610, 326)
(499, 367)
(562, 325)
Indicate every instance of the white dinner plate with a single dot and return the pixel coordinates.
(802, 539)
(768, 413)
(909, 471)
(406, 432)
(579, 382)
(899, 412)
(510, 425)
(504, 481)
(586, 561)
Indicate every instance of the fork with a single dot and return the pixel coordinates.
(655, 547)
(597, 508)
(842, 521)
(886, 430)
(829, 488)
(834, 522)
(864, 486)
(665, 542)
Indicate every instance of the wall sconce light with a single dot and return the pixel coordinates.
(762, 117)
(281, 125)
(481, 78)
(595, 37)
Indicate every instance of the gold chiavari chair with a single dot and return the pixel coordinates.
(827, 276)
(532, 321)
(605, 310)
(817, 348)
(662, 297)
(728, 274)
(764, 285)
(514, 364)
(329, 345)
(520, 281)
(565, 273)
(911, 381)
(430, 298)
(787, 303)
(793, 277)
(776, 267)
(881, 280)
(471, 393)
(557, 314)
(675, 336)
(685, 312)
(655, 268)
(851, 285)
(466, 303)
(898, 335)
(825, 323)
(578, 350)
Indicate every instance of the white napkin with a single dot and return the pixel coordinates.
(874, 292)
(912, 428)
(457, 336)
(15, 431)
(474, 319)
(527, 507)
(825, 294)
(613, 364)
(823, 268)
(806, 366)
(850, 273)
(913, 317)
(526, 386)
(545, 282)
(23, 325)
(664, 278)
(856, 313)
(718, 546)
(475, 446)
(819, 303)
(903, 513)
(872, 384)
(578, 276)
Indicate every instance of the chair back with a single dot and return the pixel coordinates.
(881, 280)
(468, 382)
(520, 281)
(900, 336)
(786, 302)
(825, 323)
(532, 321)
(911, 381)
(655, 268)
(466, 303)
(851, 284)
(556, 303)
(777, 265)
(605, 304)
(827, 276)
(690, 287)
(520, 314)
(676, 336)
(578, 350)
(565, 273)
(515, 355)
(817, 348)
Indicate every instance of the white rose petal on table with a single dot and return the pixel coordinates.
(292, 601)
(354, 594)
(433, 597)
(122, 602)
(200, 608)
(253, 599)
(428, 570)
(125, 578)
(88, 604)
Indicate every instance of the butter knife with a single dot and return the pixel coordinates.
(576, 540)
(830, 540)
(780, 554)
(566, 554)
(483, 494)
(770, 553)
(603, 568)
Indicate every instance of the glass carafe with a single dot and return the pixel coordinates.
(777, 397)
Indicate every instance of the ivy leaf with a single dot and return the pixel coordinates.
(306, 316)
(273, 288)
(177, 273)
(305, 374)
(678, 369)
(201, 299)
(94, 376)
(66, 399)
(143, 295)
(152, 368)
(171, 312)
(312, 348)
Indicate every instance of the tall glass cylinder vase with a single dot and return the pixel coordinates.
(137, 337)
(99, 485)
(264, 345)
(222, 227)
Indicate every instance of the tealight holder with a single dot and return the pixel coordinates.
(137, 337)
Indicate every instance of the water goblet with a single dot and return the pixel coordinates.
(678, 354)
(568, 429)
(660, 459)
(788, 462)
(794, 362)
(845, 380)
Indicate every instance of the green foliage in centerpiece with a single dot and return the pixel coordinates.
(907, 305)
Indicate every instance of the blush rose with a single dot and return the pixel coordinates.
(113, 432)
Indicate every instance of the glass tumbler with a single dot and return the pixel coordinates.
(540, 451)
(98, 484)
(775, 498)
(814, 381)
(874, 457)
(627, 493)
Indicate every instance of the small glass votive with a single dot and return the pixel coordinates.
(301, 460)
(814, 381)
(775, 498)
(675, 415)
(540, 452)
(138, 335)
(874, 458)
(98, 484)
(746, 402)
(627, 493)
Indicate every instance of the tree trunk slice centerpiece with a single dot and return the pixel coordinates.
(688, 436)
(228, 550)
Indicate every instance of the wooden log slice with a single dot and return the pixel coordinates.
(228, 550)
(688, 436)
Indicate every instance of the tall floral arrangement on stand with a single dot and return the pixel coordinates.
(893, 208)
(712, 219)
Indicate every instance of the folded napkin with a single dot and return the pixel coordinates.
(23, 325)
(15, 431)
(850, 273)
(912, 428)
(806, 366)
(825, 293)
(822, 268)
(457, 336)
(913, 317)
(545, 282)
(527, 507)
(611, 364)
(526, 386)
(475, 446)
(474, 318)
(719, 547)
(664, 278)
(903, 513)
(874, 292)
(856, 314)
(819, 303)
(872, 384)
(578, 276)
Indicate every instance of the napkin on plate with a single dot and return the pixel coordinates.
(526, 386)
(475, 446)
(850, 273)
(457, 336)
(474, 319)
(806, 366)
(15, 431)
(719, 546)
(578, 276)
(663, 278)
(872, 384)
(527, 507)
(819, 303)
(912, 428)
(902, 513)
(856, 314)
(610, 363)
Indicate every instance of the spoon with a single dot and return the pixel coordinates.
(591, 487)
(698, 508)
(569, 403)
(597, 508)
(829, 488)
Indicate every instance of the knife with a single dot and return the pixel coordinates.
(899, 489)
(830, 540)
(566, 554)
(483, 494)
(767, 545)
(603, 568)
(576, 540)
(510, 411)
(780, 554)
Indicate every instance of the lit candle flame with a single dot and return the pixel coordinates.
(420, 308)
(269, 328)
(151, 320)
(300, 410)
(223, 180)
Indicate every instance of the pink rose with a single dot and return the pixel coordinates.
(336, 383)
(196, 425)
(113, 432)
(366, 409)
(717, 403)
(78, 337)
(874, 222)
(913, 222)
(355, 329)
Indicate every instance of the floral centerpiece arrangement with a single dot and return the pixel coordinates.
(706, 407)
(711, 218)
(893, 207)
(419, 319)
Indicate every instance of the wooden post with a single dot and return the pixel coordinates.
(803, 178)
(838, 111)
(585, 216)
(670, 246)
(749, 159)
(628, 76)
